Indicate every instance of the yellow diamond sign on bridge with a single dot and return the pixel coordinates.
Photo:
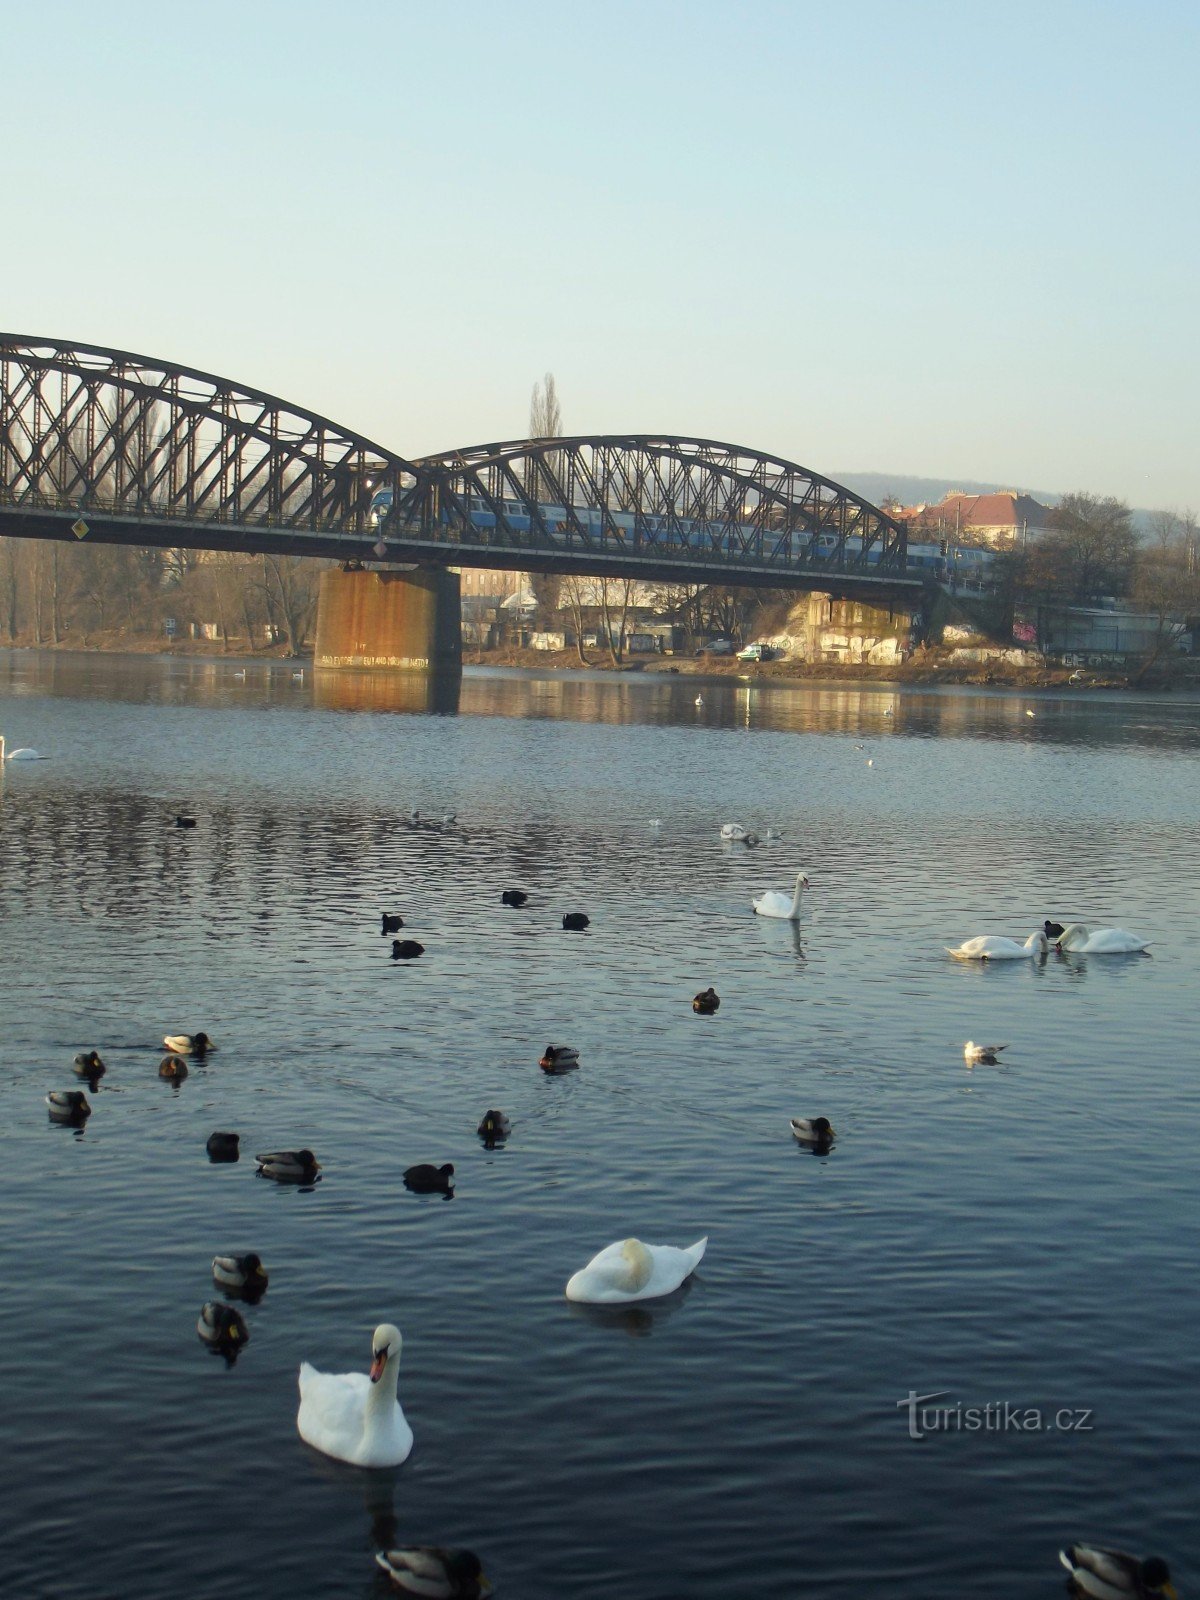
(80, 529)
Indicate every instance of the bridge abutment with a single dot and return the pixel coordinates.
(389, 621)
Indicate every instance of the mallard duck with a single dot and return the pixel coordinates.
(428, 1569)
(89, 1065)
(427, 1179)
(631, 1270)
(513, 897)
(189, 1044)
(706, 1002)
(495, 1125)
(173, 1067)
(406, 949)
(1113, 1575)
(223, 1147)
(982, 1054)
(68, 1105)
(355, 1416)
(559, 1058)
(813, 1130)
(391, 924)
(222, 1325)
(576, 921)
(239, 1272)
(288, 1166)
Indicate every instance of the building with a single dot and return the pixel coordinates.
(1001, 520)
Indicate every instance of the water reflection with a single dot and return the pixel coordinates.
(651, 696)
(435, 694)
(640, 1320)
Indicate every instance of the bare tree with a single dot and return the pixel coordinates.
(545, 422)
(616, 593)
(290, 584)
(10, 587)
(1166, 584)
(1093, 541)
(545, 412)
(573, 590)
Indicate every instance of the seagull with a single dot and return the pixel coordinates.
(1029, 713)
(982, 1054)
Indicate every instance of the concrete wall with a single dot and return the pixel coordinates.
(389, 621)
(849, 630)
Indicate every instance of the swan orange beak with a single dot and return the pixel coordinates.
(378, 1364)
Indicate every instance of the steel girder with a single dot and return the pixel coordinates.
(666, 500)
(108, 434)
(148, 452)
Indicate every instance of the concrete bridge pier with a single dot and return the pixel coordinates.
(389, 621)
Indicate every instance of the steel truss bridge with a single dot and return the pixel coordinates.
(117, 448)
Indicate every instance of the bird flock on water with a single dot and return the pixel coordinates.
(357, 1417)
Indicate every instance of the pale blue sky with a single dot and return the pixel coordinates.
(959, 240)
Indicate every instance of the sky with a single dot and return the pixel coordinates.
(958, 240)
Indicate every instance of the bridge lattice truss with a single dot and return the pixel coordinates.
(137, 451)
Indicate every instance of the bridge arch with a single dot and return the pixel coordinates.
(92, 432)
(663, 501)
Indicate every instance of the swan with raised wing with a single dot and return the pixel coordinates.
(1081, 941)
(775, 904)
(355, 1416)
(994, 947)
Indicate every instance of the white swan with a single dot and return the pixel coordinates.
(26, 754)
(631, 1270)
(1099, 941)
(353, 1417)
(774, 904)
(992, 947)
(732, 830)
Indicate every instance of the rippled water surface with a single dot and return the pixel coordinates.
(1023, 1233)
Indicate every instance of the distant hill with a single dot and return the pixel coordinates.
(910, 491)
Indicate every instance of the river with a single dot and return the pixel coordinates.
(1020, 1235)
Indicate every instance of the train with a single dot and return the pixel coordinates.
(966, 566)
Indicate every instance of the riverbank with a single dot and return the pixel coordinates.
(926, 666)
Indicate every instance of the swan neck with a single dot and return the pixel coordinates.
(381, 1396)
(796, 900)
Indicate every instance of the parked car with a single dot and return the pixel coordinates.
(755, 652)
(717, 647)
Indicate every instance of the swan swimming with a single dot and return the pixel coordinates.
(774, 904)
(353, 1416)
(732, 830)
(993, 947)
(1099, 941)
(631, 1270)
(26, 755)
